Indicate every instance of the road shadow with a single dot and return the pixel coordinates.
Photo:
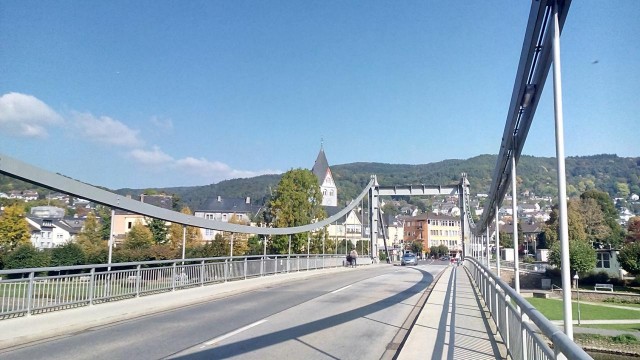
(263, 341)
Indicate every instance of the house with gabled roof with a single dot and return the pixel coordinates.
(48, 228)
(123, 221)
(223, 209)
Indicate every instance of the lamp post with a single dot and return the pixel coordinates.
(576, 278)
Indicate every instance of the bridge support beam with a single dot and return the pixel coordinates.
(514, 209)
(562, 179)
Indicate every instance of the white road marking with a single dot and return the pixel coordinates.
(342, 288)
(235, 332)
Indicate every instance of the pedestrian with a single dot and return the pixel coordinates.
(354, 256)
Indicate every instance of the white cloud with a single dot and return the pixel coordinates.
(215, 170)
(106, 130)
(162, 123)
(26, 115)
(151, 157)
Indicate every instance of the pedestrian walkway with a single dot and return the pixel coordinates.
(453, 324)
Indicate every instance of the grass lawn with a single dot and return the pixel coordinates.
(621, 327)
(552, 310)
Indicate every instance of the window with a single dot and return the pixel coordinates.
(603, 260)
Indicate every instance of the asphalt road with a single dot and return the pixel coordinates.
(350, 315)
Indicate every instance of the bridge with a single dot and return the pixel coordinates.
(256, 307)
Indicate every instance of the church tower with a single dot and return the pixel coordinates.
(327, 186)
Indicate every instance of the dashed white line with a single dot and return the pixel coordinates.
(235, 332)
(342, 288)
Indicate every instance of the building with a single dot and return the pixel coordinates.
(223, 209)
(325, 179)
(49, 229)
(123, 221)
(434, 230)
(607, 261)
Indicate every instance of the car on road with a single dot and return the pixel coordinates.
(409, 258)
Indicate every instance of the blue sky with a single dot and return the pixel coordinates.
(148, 94)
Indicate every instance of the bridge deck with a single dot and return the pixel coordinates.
(454, 324)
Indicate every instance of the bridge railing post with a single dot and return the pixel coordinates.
(30, 293)
(201, 272)
(92, 285)
(173, 277)
(138, 278)
(524, 334)
(245, 268)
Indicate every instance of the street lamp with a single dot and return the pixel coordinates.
(576, 278)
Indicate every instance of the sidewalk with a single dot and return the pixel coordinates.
(453, 323)
(26, 329)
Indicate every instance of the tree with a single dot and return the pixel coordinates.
(255, 245)
(416, 247)
(26, 256)
(296, 201)
(68, 254)
(610, 214)
(104, 215)
(159, 230)
(14, 229)
(240, 240)
(193, 235)
(633, 229)
(596, 228)
(623, 189)
(629, 257)
(582, 256)
(138, 237)
(575, 224)
(90, 237)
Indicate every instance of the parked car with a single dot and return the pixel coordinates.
(409, 259)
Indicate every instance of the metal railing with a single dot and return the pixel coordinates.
(522, 266)
(524, 330)
(37, 290)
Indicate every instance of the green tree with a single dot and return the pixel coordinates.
(103, 214)
(138, 237)
(623, 189)
(582, 256)
(629, 257)
(255, 245)
(90, 237)
(416, 247)
(362, 247)
(296, 201)
(68, 254)
(26, 256)
(159, 230)
(14, 229)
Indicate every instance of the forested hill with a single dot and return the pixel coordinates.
(536, 174)
(616, 175)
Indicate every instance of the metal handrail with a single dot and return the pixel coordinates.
(36, 290)
(513, 314)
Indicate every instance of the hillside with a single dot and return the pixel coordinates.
(608, 173)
